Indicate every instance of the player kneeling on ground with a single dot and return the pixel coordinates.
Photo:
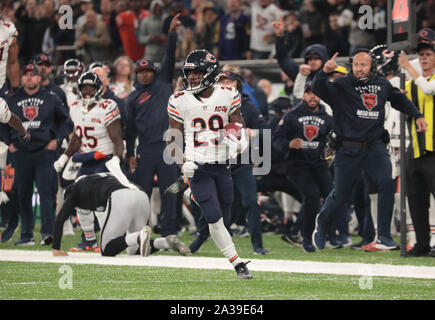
(122, 209)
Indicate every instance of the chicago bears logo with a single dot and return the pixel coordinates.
(423, 33)
(210, 58)
(310, 132)
(31, 112)
(370, 100)
(388, 54)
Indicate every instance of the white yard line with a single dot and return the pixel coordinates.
(268, 265)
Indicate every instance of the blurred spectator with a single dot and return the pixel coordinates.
(254, 92)
(292, 35)
(85, 5)
(289, 5)
(151, 33)
(336, 36)
(128, 22)
(187, 45)
(234, 33)
(266, 86)
(108, 16)
(54, 37)
(121, 82)
(312, 23)
(185, 19)
(262, 36)
(207, 28)
(31, 24)
(94, 38)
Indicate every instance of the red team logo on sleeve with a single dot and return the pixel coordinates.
(310, 132)
(31, 112)
(370, 100)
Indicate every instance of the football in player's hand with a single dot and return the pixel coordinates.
(235, 129)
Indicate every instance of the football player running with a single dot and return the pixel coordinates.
(9, 64)
(201, 111)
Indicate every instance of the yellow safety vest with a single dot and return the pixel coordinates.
(422, 142)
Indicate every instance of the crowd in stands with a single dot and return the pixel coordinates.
(232, 30)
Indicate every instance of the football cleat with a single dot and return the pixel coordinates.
(144, 241)
(178, 246)
(243, 271)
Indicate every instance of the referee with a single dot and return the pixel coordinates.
(420, 159)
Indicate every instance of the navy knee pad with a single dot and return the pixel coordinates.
(114, 246)
(211, 210)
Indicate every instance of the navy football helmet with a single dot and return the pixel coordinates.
(387, 61)
(204, 62)
(90, 78)
(72, 69)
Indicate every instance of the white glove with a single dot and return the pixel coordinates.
(189, 168)
(115, 169)
(3, 197)
(61, 162)
(235, 145)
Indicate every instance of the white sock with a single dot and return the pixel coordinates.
(223, 241)
(131, 240)
(160, 243)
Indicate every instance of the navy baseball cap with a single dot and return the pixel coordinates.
(42, 58)
(308, 85)
(31, 68)
(426, 39)
(280, 103)
(144, 64)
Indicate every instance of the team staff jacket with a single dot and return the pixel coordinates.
(43, 116)
(359, 107)
(311, 127)
(89, 192)
(147, 115)
(253, 120)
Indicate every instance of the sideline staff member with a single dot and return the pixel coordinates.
(358, 102)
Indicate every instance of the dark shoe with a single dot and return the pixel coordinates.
(47, 241)
(432, 252)
(7, 234)
(319, 234)
(25, 242)
(345, 241)
(358, 246)
(385, 243)
(242, 271)
(260, 251)
(292, 239)
(417, 252)
(197, 243)
(333, 244)
(86, 246)
(307, 246)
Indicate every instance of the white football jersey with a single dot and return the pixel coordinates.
(91, 126)
(69, 93)
(202, 120)
(5, 113)
(7, 34)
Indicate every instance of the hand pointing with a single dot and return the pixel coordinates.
(331, 64)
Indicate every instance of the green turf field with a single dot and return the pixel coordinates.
(19, 280)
